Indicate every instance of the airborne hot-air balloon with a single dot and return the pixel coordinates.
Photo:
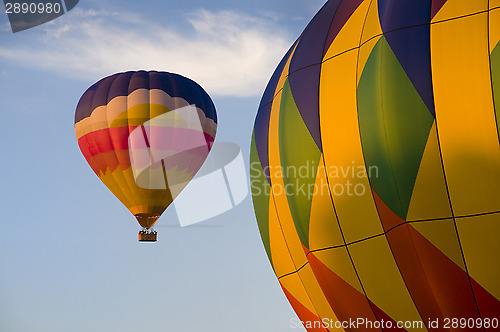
(375, 167)
(145, 135)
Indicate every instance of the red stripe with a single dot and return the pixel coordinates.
(436, 7)
(108, 148)
(116, 138)
(438, 286)
(306, 316)
(346, 301)
(105, 140)
(489, 306)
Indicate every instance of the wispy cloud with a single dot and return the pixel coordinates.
(229, 53)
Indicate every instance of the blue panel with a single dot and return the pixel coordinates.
(305, 68)
(406, 26)
(398, 14)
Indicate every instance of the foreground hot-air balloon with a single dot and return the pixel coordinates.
(375, 167)
(145, 135)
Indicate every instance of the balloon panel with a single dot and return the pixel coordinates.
(375, 163)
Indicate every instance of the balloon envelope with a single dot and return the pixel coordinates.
(375, 164)
(145, 135)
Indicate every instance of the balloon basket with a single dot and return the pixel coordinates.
(147, 236)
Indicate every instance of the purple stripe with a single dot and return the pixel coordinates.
(436, 7)
(305, 68)
(344, 12)
(261, 126)
(406, 27)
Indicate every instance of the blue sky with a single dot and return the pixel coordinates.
(69, 255)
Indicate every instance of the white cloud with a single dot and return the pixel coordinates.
(229, 53)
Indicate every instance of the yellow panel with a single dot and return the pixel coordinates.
(442, 234)
(125, 180)
(339, 262)
(316, 295)
(364, 53)
(350, 35)
(494, 27)
(117, 183)
(465, 114)
(382, 280)
(280, 199)
(293, 284)
(116, 187)
(136, 199)
(494, 4)
(372, 26)
(430, 198)
(324, 230)
(479, 238)
(456, 8)
(343, 155)
(281, 258)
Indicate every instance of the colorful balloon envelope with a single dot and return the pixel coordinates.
(145, 135)
(375, 167)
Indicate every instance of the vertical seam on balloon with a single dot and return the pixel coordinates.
(150, 179)
(284, 237)
(405, 223)
(384, 125)
(488, 23)
(111, 177)
(344, 240)
(357, 115)
(455, 223)
(451, 204)
(129, 183)
(280, 225)
(320, 139)
(327, 34)
(491, 72)
(291, 258)
(359, 131)
(134, 202)
(342, 232)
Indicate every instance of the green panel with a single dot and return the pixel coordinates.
(260, 196)
(300, 158)
(394, 124)
(495, 81)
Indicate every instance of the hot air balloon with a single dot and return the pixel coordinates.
(145, 135)
(375, 167)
